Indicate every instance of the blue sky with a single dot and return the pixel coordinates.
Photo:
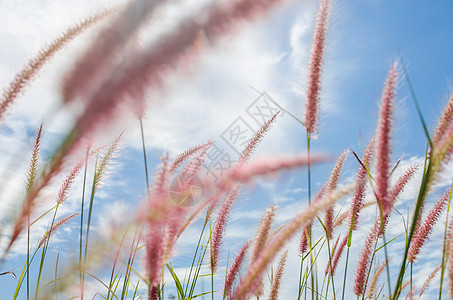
(202, 104)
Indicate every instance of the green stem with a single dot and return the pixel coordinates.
(81, 225)
(28, 256)
(309, 203)
(90, 210)
(387, 265)
(195, 256)
(144, 158)
(421, 197)
(345, 272)
(212, 261)
(44, 252)
(330, 266)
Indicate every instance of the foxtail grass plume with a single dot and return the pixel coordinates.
(251, 280)
(397, 189)
(109, 41)
(402, 181)
(234, 269)
(255, 140)
(361, 179)
(364, 262)
(211, 202)
(67, 183)
(425, 230)
(331, 255)
(27, 206)
(160, 188)
(332, 185)
(429, 279)
(445, 121)
(244, 173)
(26, 75)
(375, 278)
(383, 141)
(185, 155)
(261, 238)
(194, 166)
(55, 227)
(403, 286)
(339, 220)
(337, 256)
(220, 224)
(315, 67)
(306, 232)
(305, 237)
(155, 244)
(101, 167)
(278, 277)
(263, 233)
(33, 167)
(148, 69)
(441, 154)
(442, 141)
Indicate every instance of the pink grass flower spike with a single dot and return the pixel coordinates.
(445, 121)
(425, 230)
(54, 228)
(234, 270)
(364, 262)
(220, 224)
(278, 277)
(253, 277)
(359, 193)
(315, 67)
(383, 141)
(332, 185)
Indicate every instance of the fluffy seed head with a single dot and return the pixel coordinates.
(383, 140)
(315, 67)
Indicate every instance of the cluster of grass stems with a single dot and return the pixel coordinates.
(106, 86)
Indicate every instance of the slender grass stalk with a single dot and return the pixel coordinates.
(310, 233)
(81, 224)
(345, 271)
(330, 260)
(114, 265)
(196, 252)
(420, 199)
(254, 274)
(32, 174)
(90, 210)
(444, 247)
(144, 158)
(300, 275)
(389, 285)
(43, 255)
(377, 273)
(99, 172)
(204, 248)
(132, 252)
(310, 267)
(211, 249)
(22, 275)
(411, 275)
(56, 275)
(28, 256)
(414, 98)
